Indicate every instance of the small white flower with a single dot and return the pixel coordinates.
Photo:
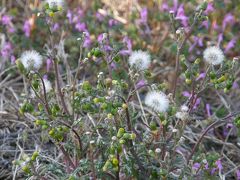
(92, 142)
(184, 108)
(114, 138)
(140, 60)
(182, 115)
(47, 84)
(157, 150)
(174, 130)
(157, 100)
(55, 3)
(31, 60)
(213, 55)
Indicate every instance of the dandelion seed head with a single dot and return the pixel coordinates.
(157, 100)
(213, 55)
(31, 60)
(140, 60)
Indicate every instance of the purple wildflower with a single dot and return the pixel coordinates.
(208, 109)
(209, 9)
(6, 50)
(27, 28)
(112, 22)
(99, 16)
(235, 85)
(81, 27)
(213, 171)
(48, 64)
(220, 39)
(201, 76)
(144, 15)
(6, 20)
(55, 27)
(228, 19)
(87, 41)
(230, 45)
(196, 166)
(219, 165)
(181, 16)
(140, 83)
(205, 24)
(70, 16)
(164, 6)
(238, 174)
(128, 42)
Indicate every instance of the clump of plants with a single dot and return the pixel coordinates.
(108, 115)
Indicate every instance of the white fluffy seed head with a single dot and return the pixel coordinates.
(157, 100)
(55, 3)
(31, 60)
(139, 60)
(213, 55)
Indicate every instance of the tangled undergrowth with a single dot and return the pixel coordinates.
(110, 90)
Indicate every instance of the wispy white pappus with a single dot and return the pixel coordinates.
(213, 55)
(31, 60)
(157, 100)
(140, 60)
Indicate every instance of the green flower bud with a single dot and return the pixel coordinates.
(34, 155)
(122, 141)
(86, 86)
(188, 81)
(120, 132)
(115, 161)
(221, 79)
(133, 136)
(26, 169)
(126, 136)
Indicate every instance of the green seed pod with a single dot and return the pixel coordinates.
(120, 132)
(122, 141)
(221, 79)
(133, 136)
(126, 136)
(104, 106)
(26, 169)
(188, 81)
(115, 161)
(34, 155)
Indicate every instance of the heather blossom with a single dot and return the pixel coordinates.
(31, 60)
(213, 55)
(157, 100)
(140, 60)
